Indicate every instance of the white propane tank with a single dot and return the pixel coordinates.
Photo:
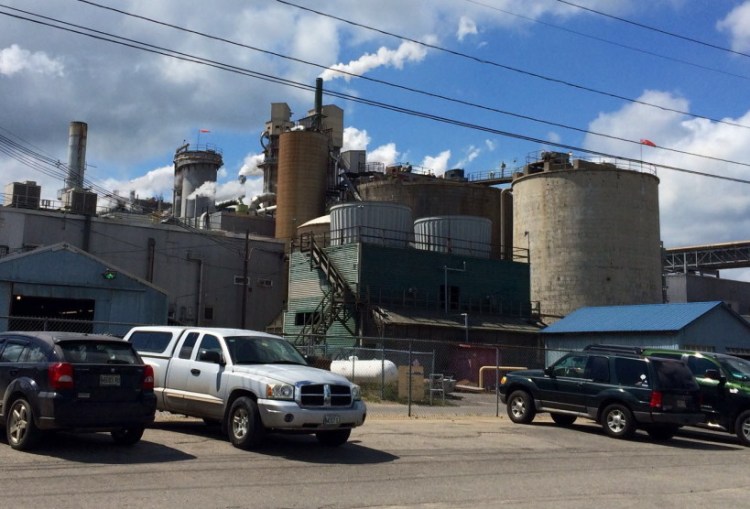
(366, 371)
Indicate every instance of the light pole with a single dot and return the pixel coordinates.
(466, 326)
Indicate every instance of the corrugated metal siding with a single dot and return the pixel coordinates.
(558, 345)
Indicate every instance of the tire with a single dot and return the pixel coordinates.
(563, 419)
(662, 433)
(243, 424)
(20, 429)
(742, 428)
(130, 435)
(520, 407)
(333, 438)
(617, 421)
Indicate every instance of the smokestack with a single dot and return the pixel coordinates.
(318, 119)
(77, 134)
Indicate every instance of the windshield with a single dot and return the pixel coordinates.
(739, 369)
(673, 374)
(262, 350)
(96, 352)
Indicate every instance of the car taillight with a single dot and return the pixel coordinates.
(148, 378)
(60, 376)
(656, 399)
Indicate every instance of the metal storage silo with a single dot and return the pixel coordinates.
(301, 185)
(454, 234)
(382, 223)
(593, 236)
(440, 197)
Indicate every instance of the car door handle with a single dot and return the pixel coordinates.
(195, 371)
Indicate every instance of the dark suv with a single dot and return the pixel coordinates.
(75, 382)
(725, 386)
(615, 386)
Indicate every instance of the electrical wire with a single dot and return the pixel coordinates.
(513, 69)
(95, 34)
(654, 29)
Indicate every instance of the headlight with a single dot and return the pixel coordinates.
(280, 391)
(356, 393)
(503, 380)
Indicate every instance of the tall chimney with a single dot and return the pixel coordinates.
(77, 134)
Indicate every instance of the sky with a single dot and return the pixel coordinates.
(471, 84)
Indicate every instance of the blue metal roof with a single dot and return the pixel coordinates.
(638, 318)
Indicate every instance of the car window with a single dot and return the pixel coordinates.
(699, 365)
(631, 372)
(210, 343)
(12, 351)
(673, 374)
(571, 366)
(597, 369)
(150, 341)
(186, 350)
(98, 352)
(33, 353)
(737, 368)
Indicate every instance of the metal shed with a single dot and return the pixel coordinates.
(60, 286)
(704, 326)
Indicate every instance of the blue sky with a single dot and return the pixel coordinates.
(676, 72)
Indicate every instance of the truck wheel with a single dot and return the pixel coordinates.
(243, 424)
(618, 422)
(742, 428)
(127, 436)
(333, 438)
(20, 429)
(520, 407)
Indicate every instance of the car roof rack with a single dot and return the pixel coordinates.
(636, 350)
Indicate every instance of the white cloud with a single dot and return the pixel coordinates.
(689, 215)
(490, 144)
(437, 164)
(251, 165)
(14, 60)
(407, 52)
(471, 153)
(355, 139)
(155, 183)
(466, 26)
(386, 154)
(737, 24)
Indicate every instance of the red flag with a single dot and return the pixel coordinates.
(207, 131)
(647, 142)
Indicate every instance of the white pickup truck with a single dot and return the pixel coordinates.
(249, 382)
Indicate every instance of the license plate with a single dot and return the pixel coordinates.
(680, 403)
(331, 419)
(109, 380)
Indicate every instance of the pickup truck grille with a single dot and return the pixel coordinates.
(324, 395)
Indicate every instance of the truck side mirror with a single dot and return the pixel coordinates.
(211, 356)
(549, 372)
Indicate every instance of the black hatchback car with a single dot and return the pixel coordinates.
(72, 382)
(617, 387)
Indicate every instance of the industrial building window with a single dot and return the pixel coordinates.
(453, 294)
(307, 317)
(208, 313)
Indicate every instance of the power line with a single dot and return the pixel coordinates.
(510, 68)
(610, 42)
(654, 29)
(238, 70)
(402, 87)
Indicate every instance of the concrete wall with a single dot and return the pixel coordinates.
(694, 288)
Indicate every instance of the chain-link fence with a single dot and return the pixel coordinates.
(399, 377)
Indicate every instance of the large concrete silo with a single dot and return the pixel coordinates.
(592, 231)
(193, 169)
(301, 185)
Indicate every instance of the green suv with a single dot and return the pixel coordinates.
(725, 386)
(617, 387)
